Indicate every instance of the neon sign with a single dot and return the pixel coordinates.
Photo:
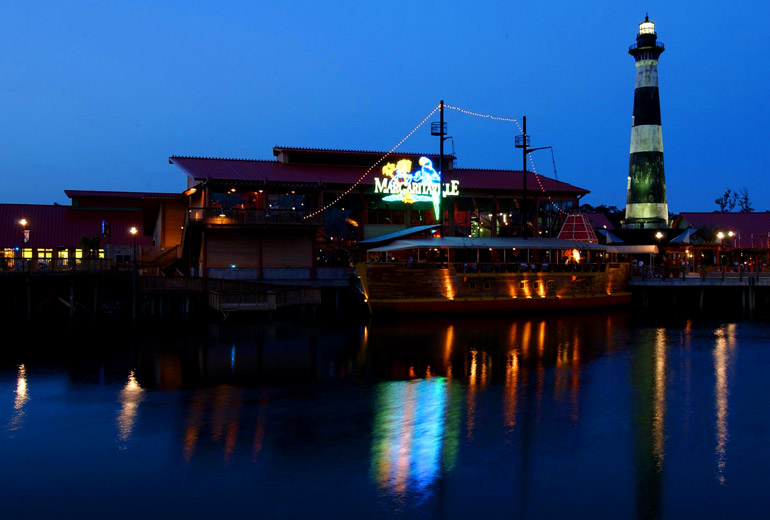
(401, 184)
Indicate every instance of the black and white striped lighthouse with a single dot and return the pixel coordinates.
(646, 205)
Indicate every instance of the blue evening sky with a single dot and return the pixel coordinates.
(98, 95)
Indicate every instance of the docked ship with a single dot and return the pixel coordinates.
(462, 275)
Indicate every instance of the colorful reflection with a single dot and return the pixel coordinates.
(130, 397)
(415, 431)
(723, 354)
(220, 411)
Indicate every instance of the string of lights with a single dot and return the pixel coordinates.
(485, 116)
(518, 125)
(373, 166)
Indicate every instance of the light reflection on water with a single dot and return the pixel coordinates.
(409, 434)
(724, 351)
(21, 399)
(130, 397)
(425, 407)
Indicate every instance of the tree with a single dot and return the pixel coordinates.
(727, 201)
(743, 201)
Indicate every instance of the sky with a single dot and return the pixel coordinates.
(97, 95)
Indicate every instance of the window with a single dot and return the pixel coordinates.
(286, 201)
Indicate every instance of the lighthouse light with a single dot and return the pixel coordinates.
(647, 27)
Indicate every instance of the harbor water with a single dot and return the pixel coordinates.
(588, 415)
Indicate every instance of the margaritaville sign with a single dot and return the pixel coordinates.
(401, 184)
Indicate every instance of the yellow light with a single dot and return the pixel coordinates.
(647, 27)
(720, 235)
(133, 230)
(658, 235)
(23, 222)
(730, 234)
(576, 255)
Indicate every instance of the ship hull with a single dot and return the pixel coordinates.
(498, 305)
(408, 288)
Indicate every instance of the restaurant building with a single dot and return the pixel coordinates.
(299, 217)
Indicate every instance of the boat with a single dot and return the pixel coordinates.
(466, 275)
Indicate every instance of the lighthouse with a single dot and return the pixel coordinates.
(646, 206)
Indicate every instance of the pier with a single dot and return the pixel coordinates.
(707, 290)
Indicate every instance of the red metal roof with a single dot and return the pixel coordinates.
(63, 226)
(332, 151)
(751, 229)
(599, 220)
(235, 170)
(82, 194)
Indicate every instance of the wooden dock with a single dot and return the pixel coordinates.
(704, 291)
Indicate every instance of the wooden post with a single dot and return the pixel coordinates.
(29, 297)
(72, 295)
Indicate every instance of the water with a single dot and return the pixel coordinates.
(590, 415)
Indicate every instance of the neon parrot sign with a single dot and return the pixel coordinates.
(401, 184)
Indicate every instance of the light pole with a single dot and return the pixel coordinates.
(659, 235)
(133, 232)
(23, 223)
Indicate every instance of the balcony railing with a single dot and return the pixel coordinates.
(251, 217)
(635, 46)
(59, 265)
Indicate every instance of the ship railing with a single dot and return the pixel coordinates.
(509, 267)
(528, 267)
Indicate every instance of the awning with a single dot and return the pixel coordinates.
(684, 237)
(633, 250)
(609, 238)
(399, 234)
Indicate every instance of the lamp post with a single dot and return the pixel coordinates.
(659, 235)
(23, 223)
(133, 232)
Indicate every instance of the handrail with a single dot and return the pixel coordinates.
(237, 216)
